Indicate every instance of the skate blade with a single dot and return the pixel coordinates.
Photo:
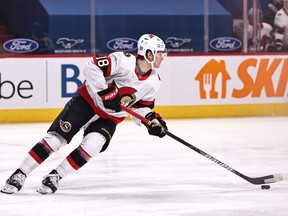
(9, 189)
(44, 190)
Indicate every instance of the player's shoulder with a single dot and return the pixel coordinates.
(123, 55)
(123, 59)
(267, 26)
(280, 13)
(250, 28)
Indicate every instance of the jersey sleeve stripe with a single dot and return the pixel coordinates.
(142, 104)
(104, 63)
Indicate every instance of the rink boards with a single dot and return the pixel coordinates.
(34, 89)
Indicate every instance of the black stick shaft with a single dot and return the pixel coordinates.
(210, 157)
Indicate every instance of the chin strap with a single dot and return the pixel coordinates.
(151, 62)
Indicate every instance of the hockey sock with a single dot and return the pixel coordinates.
(90, 147)
(36, 156)
(74, 161)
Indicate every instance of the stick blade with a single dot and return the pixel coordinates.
(264, 179)
(275, 178)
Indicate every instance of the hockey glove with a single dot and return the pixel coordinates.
(110, 98)
(158, 126)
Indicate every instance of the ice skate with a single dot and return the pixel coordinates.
(14, 183)
(50, 183)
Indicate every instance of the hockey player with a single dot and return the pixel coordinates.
(110, 80)
(264, 31)
(281, 28)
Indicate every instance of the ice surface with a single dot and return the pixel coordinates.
(143, 175)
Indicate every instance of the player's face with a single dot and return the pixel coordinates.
(159, 58)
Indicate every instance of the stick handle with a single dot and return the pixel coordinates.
(131, 112)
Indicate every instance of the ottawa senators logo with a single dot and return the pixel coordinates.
(65, 126)
(128, 100)
(128, 97)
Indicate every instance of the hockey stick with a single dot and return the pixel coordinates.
(258, 180)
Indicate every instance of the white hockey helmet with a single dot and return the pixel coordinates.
(150, 42)
(285, 4)
(259, 15)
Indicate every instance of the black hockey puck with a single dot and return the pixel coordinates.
(265, 187)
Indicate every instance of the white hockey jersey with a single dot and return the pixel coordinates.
(265, 35)
(136, 90)
(281, 27)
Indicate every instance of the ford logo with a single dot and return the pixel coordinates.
(225, 44)
(20, 45)
(122, 44)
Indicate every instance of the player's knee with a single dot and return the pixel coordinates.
(54, 140)
(92, 143)
(104, 127)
